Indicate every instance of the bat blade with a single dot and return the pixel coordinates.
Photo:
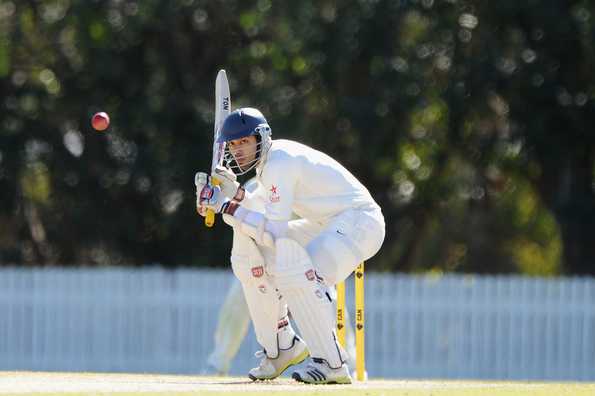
(222, 110)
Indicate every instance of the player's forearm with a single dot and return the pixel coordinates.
(255, 224)
(256, 219)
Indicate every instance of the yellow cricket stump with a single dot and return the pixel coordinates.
(360, 354)
(341, 313)
(360, 357)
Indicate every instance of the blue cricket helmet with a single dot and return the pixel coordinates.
(240, 123)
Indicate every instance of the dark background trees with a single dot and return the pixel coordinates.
(469, 122)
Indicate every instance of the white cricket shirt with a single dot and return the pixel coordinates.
(299, 179)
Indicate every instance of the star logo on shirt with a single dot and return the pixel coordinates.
(274, 195)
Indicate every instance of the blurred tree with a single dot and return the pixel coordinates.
(526, 64)
(468, 121)
(546, 76)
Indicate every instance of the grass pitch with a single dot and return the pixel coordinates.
(70, 384)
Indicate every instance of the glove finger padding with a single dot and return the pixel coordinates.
(201, 179)
(225, 173)
(211, 197)
(227, 180)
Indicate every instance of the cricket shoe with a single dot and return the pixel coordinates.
(272, 368)
(319, 372)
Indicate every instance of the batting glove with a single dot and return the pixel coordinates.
(201, 179)
(228, 182)
(211, 197)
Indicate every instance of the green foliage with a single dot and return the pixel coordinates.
(468, 121)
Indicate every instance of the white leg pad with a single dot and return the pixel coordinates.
(261, 294)
(308, 301)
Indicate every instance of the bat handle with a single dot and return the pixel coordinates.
(210, 217)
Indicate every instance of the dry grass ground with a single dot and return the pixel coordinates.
(37, 383)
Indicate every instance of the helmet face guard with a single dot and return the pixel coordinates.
(261, 147)
(243, 123)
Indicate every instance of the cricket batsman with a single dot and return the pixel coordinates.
(319, 222)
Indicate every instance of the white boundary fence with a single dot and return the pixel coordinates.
(155, 320)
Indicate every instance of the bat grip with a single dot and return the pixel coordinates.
(210, 217)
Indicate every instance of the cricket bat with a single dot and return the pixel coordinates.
(222, 110)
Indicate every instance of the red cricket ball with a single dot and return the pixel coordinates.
(100, 121)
